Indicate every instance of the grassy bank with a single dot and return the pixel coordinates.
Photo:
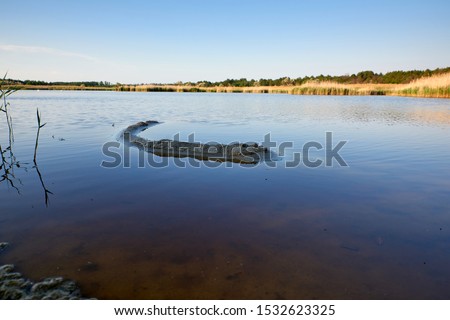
(437, 86)
(62, 87)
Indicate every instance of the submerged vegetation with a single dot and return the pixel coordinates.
(420, 83)
(14, 286)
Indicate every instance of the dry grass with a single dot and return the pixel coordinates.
(436, 86)
(61, 87)
(334, 88)
(438, 81)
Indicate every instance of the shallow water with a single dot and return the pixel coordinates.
(376, 229)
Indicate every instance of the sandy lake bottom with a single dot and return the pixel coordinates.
(378, 228)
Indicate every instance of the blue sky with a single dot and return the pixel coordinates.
(168, 41)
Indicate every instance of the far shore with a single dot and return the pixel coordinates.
(430, 87)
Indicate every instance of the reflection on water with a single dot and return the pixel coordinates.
(9, 161)
(8, 165)
(392, 116)
(378, 229)
(46, 191)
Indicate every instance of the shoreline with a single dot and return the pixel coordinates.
(319, 89)
(15, 286)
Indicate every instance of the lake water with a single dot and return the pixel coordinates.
(378, 228)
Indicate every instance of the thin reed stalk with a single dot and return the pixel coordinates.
(8, 160)
(37, 134)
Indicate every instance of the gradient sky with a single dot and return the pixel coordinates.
(168, 41)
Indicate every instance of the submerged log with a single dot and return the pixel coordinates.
(249, 153)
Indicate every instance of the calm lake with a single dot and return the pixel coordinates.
(378, 228)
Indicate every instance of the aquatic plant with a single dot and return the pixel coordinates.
(8, 160)
(40, 126)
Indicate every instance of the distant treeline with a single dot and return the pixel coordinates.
(59, 83)
(363, 77)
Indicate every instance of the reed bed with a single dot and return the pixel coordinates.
(174, 88)
(334, 88)
(319, 88)
(437, 86)
(61, 87)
